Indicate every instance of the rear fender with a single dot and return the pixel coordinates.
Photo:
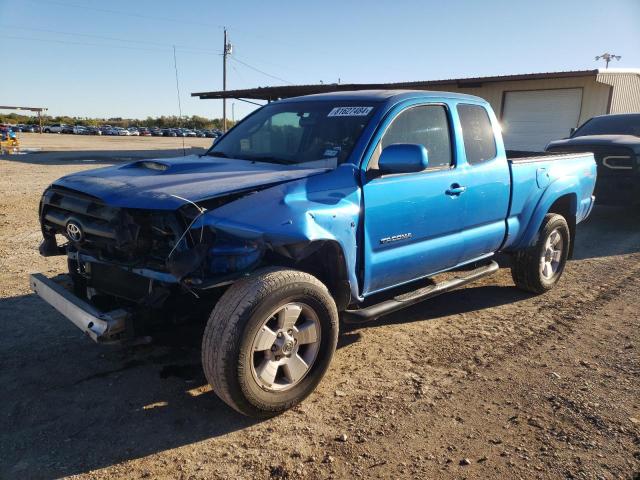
(562, 187)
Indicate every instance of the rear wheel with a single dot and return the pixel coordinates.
(269, 341)
(539, 267)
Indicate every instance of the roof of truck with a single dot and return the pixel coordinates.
(381, 95)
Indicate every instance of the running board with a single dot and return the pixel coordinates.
(372, 312)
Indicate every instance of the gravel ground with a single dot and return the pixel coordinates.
(485, 382)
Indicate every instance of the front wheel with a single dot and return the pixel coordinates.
(269, 341)
(539, 267)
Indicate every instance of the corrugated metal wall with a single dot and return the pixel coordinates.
(595, 96)
(625, 97)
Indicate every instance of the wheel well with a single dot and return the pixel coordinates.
(324, 260)
(567, 206)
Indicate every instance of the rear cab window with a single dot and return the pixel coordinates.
(477, 133)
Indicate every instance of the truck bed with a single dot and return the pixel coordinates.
(539, 178)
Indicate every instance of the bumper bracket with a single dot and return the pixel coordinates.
(100, 326)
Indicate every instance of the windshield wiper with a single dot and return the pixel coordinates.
(268, 159)
(217, 154)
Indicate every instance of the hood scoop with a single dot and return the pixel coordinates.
(150, 165)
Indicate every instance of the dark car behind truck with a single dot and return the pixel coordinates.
(615, 143)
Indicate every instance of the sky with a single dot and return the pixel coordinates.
(105, 59)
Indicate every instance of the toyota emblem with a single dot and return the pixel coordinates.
(74, 232)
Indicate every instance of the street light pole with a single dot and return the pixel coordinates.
(607, 57)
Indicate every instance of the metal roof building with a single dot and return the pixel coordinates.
(534, 108)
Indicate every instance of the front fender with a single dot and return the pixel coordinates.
(293, 215)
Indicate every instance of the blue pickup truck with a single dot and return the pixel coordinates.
(345, 205)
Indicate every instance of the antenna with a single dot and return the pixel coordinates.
(175, 66)
(607, 57)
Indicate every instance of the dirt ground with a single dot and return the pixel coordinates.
(486, 382)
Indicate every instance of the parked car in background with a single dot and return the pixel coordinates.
(133, 131)
(93, 131)
(169, 132)
(156, 132)
(54, 128)
(79, 130)
(144, 132)
(615, 143)
(364, 197)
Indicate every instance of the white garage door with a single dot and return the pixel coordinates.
(531, 119)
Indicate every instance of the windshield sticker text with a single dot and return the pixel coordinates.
(350, 112)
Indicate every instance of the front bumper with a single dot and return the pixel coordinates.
(99, 326)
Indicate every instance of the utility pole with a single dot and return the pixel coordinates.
(225, 51)
(607, 57)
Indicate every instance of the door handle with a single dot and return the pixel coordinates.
(455, 190)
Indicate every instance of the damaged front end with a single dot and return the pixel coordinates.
(171, 264)
(148, 262)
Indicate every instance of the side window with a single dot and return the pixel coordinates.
(477, 133)
(427, 125)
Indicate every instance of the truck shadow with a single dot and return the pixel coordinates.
(70, 406)
(607, 232)
(457, 302)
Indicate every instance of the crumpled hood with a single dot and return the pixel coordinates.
(155, 184)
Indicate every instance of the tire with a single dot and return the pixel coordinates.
(243, 323)
(537, 269)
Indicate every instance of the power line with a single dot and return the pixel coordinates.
(102, 37)
(236, 59)
(128, 14)
(128, 47)
(83, 44)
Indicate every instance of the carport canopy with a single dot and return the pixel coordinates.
(278, 92)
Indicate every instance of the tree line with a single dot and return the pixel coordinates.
(172, 121)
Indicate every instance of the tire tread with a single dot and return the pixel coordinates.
(219, 357)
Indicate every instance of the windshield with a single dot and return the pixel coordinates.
(290, 133)
(610, 125)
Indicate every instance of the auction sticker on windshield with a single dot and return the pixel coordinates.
(350, 112)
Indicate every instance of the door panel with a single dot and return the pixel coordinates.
(412, 227)
(412, 221)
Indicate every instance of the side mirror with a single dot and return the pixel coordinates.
(572, 131)
(403, 158)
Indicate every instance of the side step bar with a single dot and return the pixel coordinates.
(402, 301)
